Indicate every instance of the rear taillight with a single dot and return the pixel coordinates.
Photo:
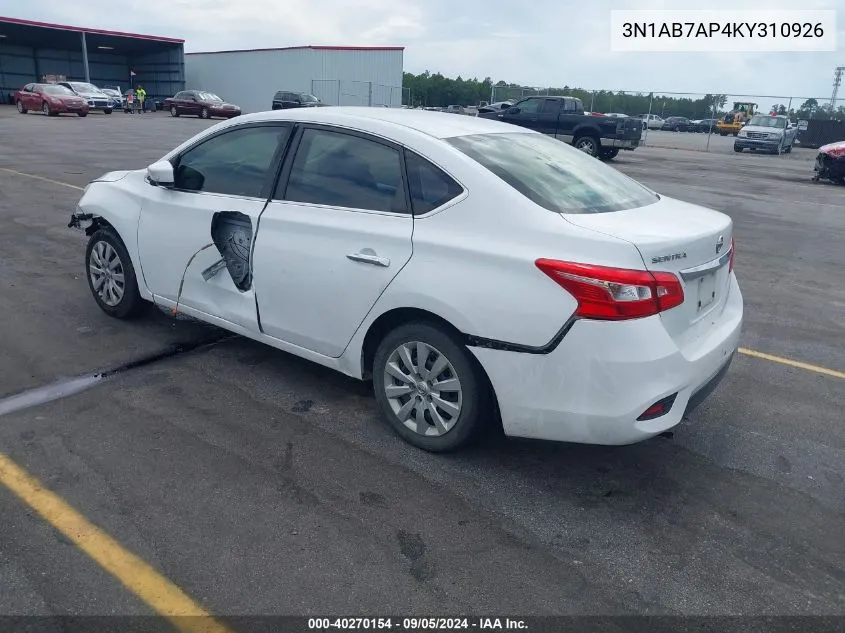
(615, 294)
(731, 264)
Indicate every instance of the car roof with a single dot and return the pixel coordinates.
(436, 124)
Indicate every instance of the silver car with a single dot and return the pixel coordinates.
(96, 98)
(769, 133)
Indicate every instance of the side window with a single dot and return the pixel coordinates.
(551, 106)
(236, 163)
(529, 106)
(430, 186)
(570, 105)
(342, 170)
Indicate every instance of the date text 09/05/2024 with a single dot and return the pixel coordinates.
(728, 29)
(416, 624)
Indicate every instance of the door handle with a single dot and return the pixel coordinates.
(368, 256)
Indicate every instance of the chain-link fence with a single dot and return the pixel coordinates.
(703, 121)
(357, 93)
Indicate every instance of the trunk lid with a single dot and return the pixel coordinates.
(681, 238)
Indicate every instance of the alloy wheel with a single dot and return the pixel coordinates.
(107, 275)
(423, 389)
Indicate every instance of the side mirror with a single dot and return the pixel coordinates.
(161, 174)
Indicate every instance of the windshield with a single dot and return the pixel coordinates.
(306, 98)
(83, 87)
(209, 96)
(553, 174)
(57, 90)
(768, 121)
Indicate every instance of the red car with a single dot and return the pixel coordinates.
(200, 103)
(51, 99)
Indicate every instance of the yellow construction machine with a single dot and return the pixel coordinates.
(733, 121)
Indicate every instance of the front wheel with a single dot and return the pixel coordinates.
(45, 108)
(430, 388)
(82, 114)
(111, 276)
(204, 113)
(107, 111)
(21, 107)
(737, 149)
(587, 144)
(173, 111)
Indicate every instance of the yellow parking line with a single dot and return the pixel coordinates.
(792, 363)
(136, 575)
(50, 180)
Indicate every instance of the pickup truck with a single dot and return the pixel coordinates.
(564, 118)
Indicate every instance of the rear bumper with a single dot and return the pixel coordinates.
(620, 143)
(603, 375)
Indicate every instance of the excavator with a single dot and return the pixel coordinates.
(733, 121)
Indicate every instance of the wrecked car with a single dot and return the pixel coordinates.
(830, 163)
(479, 273)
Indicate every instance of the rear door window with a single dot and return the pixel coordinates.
(337, 169)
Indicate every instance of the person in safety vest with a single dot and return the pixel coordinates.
(141, 95)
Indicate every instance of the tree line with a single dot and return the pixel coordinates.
(435, 90)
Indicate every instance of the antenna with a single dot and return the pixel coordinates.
(837, 80)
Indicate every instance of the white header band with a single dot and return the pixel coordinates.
(729, 31)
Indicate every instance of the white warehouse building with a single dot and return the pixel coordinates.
(337, 75)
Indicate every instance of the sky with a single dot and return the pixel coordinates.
(530, 42)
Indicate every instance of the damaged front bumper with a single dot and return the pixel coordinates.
(81, 221)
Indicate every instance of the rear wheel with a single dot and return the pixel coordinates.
(609, 154)
(21, 107)
(587, 144)
(430, 388)
(111, 276)
(204, 113)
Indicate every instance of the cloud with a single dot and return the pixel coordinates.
(540, 43)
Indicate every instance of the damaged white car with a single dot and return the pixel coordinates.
(479, 273)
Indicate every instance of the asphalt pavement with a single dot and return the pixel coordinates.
(262, 484)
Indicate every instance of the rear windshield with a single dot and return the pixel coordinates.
(553, 174)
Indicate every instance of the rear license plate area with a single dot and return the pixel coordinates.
(706, 291)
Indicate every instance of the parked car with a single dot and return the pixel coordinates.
(706, 125)
(773, 134)
(564, 118)
(620, 319)
(96, 98)
(678, 124)
(200, 103)
(284, 100)
(455, 109)
(495, 107)
(116, 96)
(51, 99)
(830, 163)
(651, 121)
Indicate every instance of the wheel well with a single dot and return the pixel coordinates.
(398, 316)
(98, 223)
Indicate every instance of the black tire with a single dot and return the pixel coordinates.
(173, 111)
(609, 154)
(677, 128)
(20, 107)
(107, 111)
(587, 144)
(130, 304)
(737, 149)
(82, 114)
(476, 398)
(45, 108)
(204, 114)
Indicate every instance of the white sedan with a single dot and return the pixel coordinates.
(478, 272)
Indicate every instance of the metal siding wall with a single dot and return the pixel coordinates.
(356, 70)
(161, 74)
(250, 78)
(17, 68)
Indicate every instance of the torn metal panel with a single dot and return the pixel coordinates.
(232, 235)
